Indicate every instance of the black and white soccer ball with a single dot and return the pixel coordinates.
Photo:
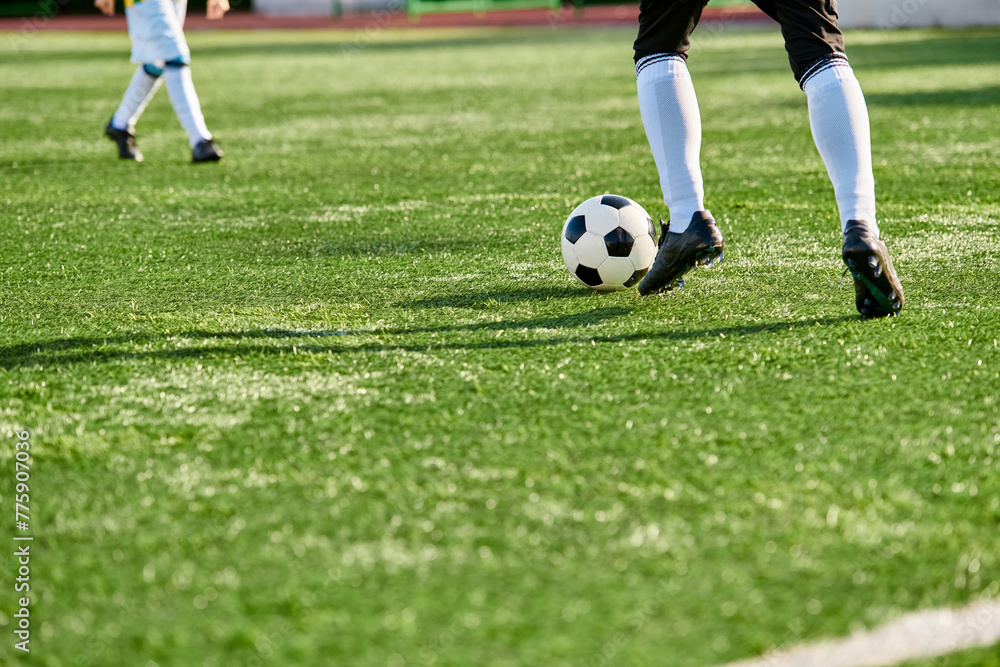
(608, 243)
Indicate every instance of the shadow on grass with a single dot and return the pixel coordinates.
(101, 350)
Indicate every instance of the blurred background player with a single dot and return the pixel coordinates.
(158, 45)
(837, 115)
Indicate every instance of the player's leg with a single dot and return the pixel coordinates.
(838, 117)
(156, 28)
(121, 127)
(142, 88)
(668, 103)
(837, 111)
(184, 98)
(145, 82)
(672, 121)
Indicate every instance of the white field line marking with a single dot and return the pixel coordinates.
(922, 634)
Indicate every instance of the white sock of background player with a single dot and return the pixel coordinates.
(184, 99)
(839, 120)
(672, 122)
(145, 82)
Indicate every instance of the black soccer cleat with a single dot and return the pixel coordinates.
(877, 292)
(206, 151)
(125, 139)
(700, 244)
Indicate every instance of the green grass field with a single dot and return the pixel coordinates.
(336, 400)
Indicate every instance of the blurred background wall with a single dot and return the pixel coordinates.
(888, 14)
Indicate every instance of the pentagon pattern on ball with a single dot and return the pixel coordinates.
(588, 276)
(618, 242)
(575, 228)
(616, 201)
(608, 243)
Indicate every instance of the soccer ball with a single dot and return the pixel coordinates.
(608, 243)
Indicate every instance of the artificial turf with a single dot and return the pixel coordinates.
(336, 400)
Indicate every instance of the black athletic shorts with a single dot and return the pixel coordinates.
(808, 26)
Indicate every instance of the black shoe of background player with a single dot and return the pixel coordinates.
(126, 142)
(206, 151)
(877, 292)
(699, 245)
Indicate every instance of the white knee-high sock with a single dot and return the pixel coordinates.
(839, 120)
(672, 121)
(184, 99)
(138, 94)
